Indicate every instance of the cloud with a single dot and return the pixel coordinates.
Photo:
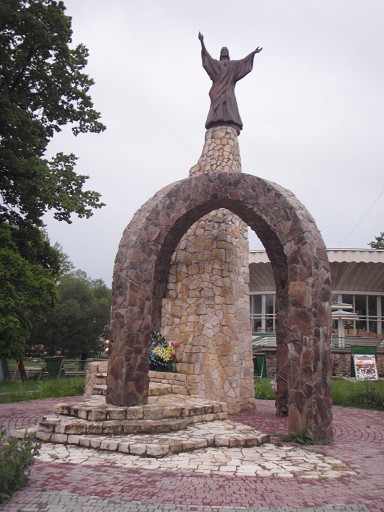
(312, 108)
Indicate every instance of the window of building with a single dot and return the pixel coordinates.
(369, 309)
(263, 312)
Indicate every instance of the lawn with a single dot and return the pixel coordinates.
(345, 392)
(19, 391)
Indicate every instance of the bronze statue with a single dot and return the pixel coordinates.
(224, 74)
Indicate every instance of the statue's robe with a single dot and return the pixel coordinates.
(224, 75)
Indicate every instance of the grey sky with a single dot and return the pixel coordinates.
(312, 109)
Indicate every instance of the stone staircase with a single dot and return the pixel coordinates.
(168, 424)
(173, 420)
(161, 383)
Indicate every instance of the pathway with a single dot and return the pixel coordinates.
(213, 480)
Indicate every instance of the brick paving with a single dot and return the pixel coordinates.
(358, 443)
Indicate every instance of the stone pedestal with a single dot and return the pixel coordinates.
(206, 308)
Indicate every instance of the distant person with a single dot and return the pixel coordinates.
(224, 74)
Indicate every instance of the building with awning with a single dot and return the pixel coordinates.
(357, 299)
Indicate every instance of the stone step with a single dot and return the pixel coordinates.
(197, 436)
(57, 424)
(155, 388)
(159, 407)
(99, 389)
(168, 377)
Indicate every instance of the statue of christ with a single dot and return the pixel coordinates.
(224, 74)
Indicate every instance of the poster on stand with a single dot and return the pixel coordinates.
(365, 367)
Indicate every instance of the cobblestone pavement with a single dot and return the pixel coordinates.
(265, 461)
(59, 501)
(109, 486)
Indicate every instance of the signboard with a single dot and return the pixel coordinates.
(365, 367)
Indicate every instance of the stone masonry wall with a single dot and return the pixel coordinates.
(301, 270)
(206, 308)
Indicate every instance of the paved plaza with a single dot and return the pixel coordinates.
(347, 475)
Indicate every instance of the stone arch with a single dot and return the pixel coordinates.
(301, 271)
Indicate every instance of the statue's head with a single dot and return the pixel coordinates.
(224, 54)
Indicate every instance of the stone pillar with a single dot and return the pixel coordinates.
(206, 307)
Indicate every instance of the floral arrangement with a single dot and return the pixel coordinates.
(162, 356)
(165, 354)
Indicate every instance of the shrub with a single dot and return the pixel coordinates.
(263, 389)
(16, 455)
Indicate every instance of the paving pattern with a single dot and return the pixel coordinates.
(114, 486)
(265, 461)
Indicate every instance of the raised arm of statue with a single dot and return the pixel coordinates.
(203, 48)
(224, 74)
(209, 64)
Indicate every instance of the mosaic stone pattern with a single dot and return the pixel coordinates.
(206, 308)
(301, 270)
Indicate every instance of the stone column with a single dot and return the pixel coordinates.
(206, 307)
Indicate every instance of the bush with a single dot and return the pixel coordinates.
(263, 389)
(16, 455)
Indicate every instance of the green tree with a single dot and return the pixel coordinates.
(26, 289)
(378, 242)
(76, 323)
(42, 88)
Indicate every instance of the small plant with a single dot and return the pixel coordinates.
(302, 437)
(264, 389)
(324, 442)
(16, 455)
(162, 356)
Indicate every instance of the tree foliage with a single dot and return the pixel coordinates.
(42, 88)
(378, 242)
(77, 322)
(26, 288)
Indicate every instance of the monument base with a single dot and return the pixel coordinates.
(167, 424)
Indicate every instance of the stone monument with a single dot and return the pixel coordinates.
(206, 308)
(182, 264)
(185, 272)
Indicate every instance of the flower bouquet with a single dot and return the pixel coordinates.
(162, 356)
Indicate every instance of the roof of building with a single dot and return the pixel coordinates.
(352, 271)
(268, 340)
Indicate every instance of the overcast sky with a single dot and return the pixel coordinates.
(312, 109)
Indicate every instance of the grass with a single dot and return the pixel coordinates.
(19, 391)
(347, 393)
(362, 394)
(263, 389)
(36, 362)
